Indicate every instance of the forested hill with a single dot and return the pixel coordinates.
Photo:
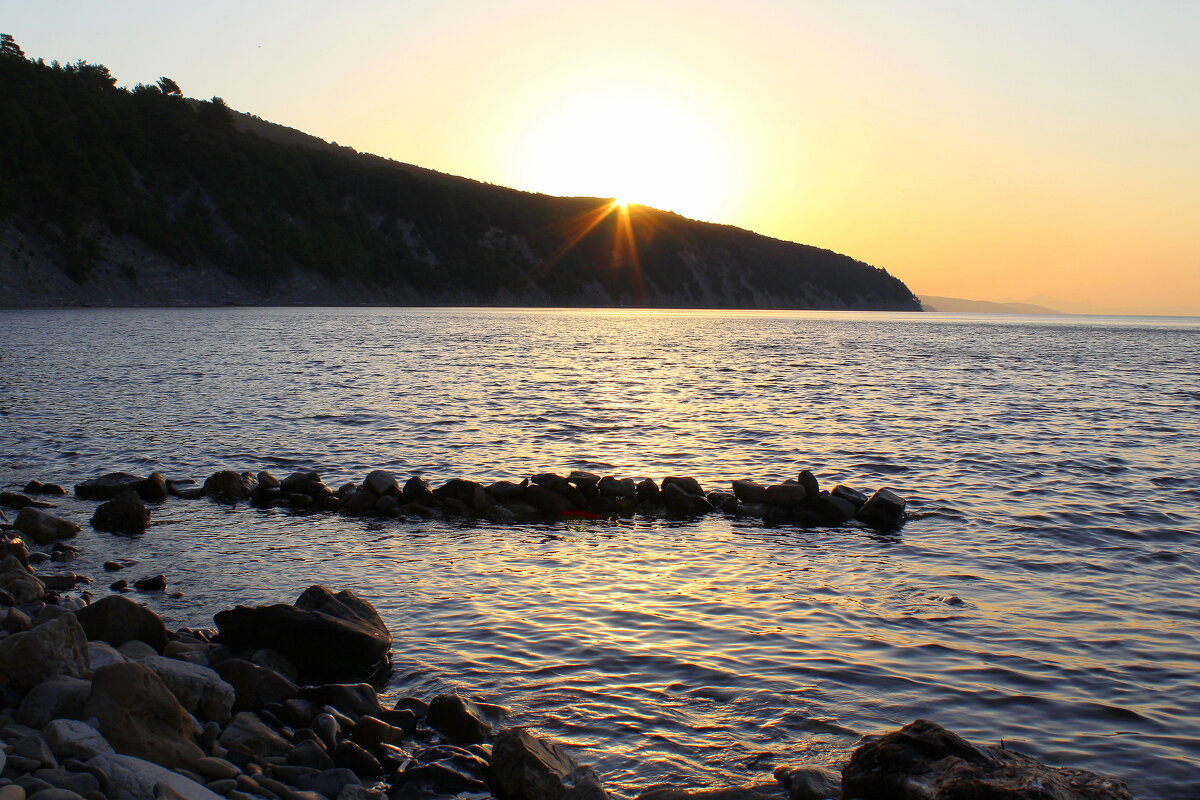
(141, 197)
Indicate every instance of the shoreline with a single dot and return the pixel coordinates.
(301, 729)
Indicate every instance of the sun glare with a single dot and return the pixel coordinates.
(633, 146)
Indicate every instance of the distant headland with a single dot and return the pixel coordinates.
(115, 197)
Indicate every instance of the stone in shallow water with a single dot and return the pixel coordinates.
(924, 761)
(124, 514)
(810, 783)
(885, 510)
(106, 487)
(458, 718)
(533, 768)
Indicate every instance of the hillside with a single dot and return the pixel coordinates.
(958, 305)
(142, 197)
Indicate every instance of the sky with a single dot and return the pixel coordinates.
(1043, 152)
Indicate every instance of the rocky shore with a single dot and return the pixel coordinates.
(100, 700)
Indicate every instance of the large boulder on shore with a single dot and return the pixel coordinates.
(330, 638)
(140, 717)
(125, 513)
(924, 761)
(528, 767)
(199, 689)
(117, 620)
(58, 647)
(42, 527)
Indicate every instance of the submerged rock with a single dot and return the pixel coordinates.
(810, 783)
(229, 487)
(924, 761)
(458, 718)
(108, 486)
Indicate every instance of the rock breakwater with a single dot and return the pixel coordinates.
(578, 495)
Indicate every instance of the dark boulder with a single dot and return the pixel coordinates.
(330, 638)
(116, 620)
(854, 496)
(748, 491)
(18, 501)
(359, 503)
(648, 492)
(809, 783)
(689, 485)
(151, 583)
(831, 509)
(680, 501)
(506, 491)
(469, 493)
(924, 761)
(885, 510)
(37, 487)
(124, 514)
(417, 489)
(786, 494)
(613, 487)
(140, 717)
(381, 482)
(254, 686)
(42, 527)
(531, 768)
(229, 487)
(355, 699)
(546, 501)
(809, 482)
(458, 718)
(108, 486)
(154, 489)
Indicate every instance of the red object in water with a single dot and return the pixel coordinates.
(580, 515)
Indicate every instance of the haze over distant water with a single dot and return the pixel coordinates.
(1049, 463)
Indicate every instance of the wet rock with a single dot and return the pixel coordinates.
(810, 783)
(381, 482)
(359, 503)
(609, 486)
(197, 688)
(417, 489)
(64, 581)
(59, 697)
(131, 778)
(118, 620)
(154, 489)
(924, 761)
(299, 481)
(458, 718)
(442, 778)
(249, 734)
(331, 638)
(680, 501)
(120, 585)
(469, 493)
(37, 487)
(19, 582)
(329, 782)
(69, 738)
(106, 487)
(371, 732)
(18, 501)
(42, 527)
(388, 506)
(723, 501)
(353, 757)
(546, 501)
(506, 491)
(832, 510)
(254, 686)
(748, 491)
(648, 492)
(124, 514)
(785, 495)
(56, 648)
(310, 754)
(116, 566)
(352, 698)
(139, 715)
(532, 768)
(809, 482)
(16, 549)
(152, 583)
(885, 510)
(229, 487)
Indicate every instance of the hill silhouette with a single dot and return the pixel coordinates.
(143, 197)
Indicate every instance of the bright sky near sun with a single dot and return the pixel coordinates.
(1042, 151)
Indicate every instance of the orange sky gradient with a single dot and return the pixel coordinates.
(1033, 151)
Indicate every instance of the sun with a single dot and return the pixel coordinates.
(633, 145)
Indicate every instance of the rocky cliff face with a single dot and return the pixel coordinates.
(141, 198)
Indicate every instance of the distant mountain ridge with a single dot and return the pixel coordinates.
(141, 197)
(956, 304)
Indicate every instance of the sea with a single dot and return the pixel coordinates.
(1045, 590)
